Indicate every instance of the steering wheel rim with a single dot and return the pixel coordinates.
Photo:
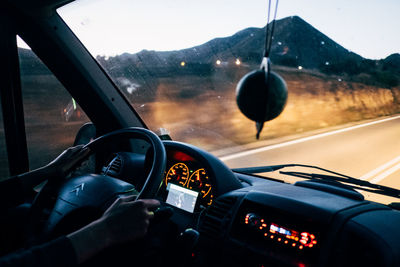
(149, 189)
(154, 178)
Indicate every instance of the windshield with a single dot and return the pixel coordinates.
(178, 63)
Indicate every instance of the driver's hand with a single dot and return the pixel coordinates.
(68, 159)
(126, 220)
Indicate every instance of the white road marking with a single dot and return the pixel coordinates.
(301, 140)
(381, 168)
(385, 174)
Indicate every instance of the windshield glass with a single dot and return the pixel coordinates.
(178, 63)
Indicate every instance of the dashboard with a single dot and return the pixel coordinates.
(241, 220)
(246, 220)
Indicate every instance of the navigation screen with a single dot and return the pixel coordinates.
(182, 198)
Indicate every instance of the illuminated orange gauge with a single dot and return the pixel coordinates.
(199, 182)
(177, 174)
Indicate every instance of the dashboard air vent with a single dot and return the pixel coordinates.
(215, 218)
(114, 167)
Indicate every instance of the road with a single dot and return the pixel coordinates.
(369, 151)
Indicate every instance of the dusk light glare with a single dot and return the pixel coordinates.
(366, 27)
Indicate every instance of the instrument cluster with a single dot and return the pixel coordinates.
(187, 184)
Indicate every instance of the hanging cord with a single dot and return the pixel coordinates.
(265, 64)
(269, 33)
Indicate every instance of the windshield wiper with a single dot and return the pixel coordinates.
(336, 177)
(272, 168)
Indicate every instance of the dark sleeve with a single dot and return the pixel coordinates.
(58, 252)
(12, 193)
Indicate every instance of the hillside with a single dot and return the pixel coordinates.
(296, 43)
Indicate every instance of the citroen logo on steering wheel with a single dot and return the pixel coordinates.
(78, 188)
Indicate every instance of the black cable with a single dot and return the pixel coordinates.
(270, 33)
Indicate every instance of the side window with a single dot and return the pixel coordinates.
(52, 116)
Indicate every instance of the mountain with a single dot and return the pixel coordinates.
(295, 43)
(392, 62)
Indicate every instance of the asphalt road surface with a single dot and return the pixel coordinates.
(369, 151)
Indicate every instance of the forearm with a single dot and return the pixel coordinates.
(31, 179)
(89, 240)
(16, 189)
(58, 168)
(58, 253)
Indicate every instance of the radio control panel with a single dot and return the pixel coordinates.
(272, 231)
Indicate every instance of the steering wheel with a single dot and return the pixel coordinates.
(82, 199)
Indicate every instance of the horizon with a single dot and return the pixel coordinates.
(373, 38)
(222, 37)
(22, 44)
(368, 28)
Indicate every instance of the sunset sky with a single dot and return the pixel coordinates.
(367, 27)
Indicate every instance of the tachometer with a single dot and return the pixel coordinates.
(177, 174)
(199, 182)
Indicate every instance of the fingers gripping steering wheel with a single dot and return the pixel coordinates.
(88, 193)
(156, 173)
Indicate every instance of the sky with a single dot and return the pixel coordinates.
(369, 28)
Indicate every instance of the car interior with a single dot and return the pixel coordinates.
(211, 214)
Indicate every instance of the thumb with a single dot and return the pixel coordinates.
(128, 198)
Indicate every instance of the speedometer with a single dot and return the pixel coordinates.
(199, 182)
(177, 174)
